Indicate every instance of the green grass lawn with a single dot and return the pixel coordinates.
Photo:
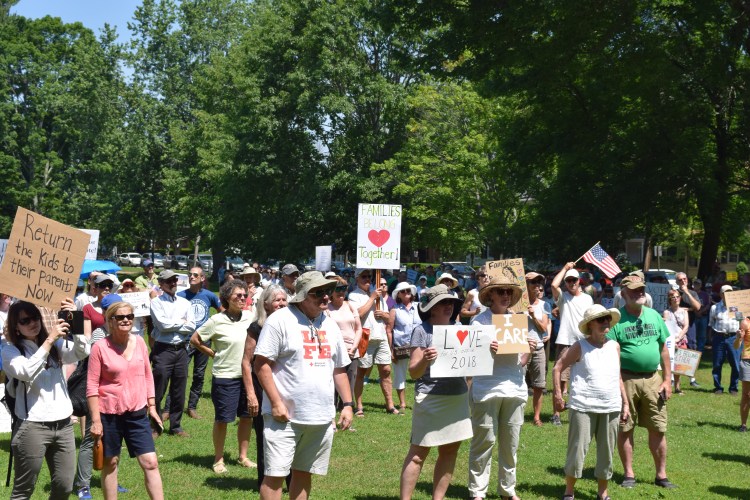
(708, 458)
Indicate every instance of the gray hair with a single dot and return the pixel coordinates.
(677, 275)
(267, 297)
(225, 292)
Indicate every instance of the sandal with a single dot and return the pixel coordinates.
(246, 462)
(219, 468)
(393, 411)
(537, 423)
(360, 412)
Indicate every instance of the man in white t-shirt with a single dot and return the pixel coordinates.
(572, 302)
(300, 357)
(373, 312)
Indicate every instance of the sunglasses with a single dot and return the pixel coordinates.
(105, 285)
(340, 289)
(571, 280)
(365, 276)
(28, 319)
(123, 317)
(240, 295)
(504, 291)
(196, 275)
(322, 292)
(408, 292)
(172, 281)
(604, 319)
(481, 275)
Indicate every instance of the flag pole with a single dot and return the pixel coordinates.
(587, 251)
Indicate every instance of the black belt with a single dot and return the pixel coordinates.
(638, 374)
(173, 347)
(56, 424)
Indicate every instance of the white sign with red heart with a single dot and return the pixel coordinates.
(379, 236)
(463, 351)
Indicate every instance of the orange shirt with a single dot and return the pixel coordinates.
(745, 339)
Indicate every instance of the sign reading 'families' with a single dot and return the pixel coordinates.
(43, 260)
(463, 351)
(512, 333)
(379, 236)
(513, 270)
(738, 301)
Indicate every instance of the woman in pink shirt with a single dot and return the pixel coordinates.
(120, 390)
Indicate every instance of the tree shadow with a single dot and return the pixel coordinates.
(726, 457)
(729, 492)
(556, 470)
(718, 425)
(547, 490)
(454, 490)
(227, 483)
(203, 461)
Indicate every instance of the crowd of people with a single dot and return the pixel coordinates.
(291, 349)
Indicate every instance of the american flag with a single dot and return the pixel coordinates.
(602, 260)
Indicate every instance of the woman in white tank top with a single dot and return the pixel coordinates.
(597, 397)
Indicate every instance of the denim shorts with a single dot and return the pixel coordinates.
(134, 426)
(229, 398)
(745, 370)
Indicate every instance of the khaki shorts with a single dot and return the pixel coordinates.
(301, 447)
(647, 409)
(536, 369)
(378, 351)
(559, 353)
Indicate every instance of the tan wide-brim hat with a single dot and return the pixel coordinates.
(448, 277)
(597, 311)
(499, 282)
(433, 295)
(310, 281)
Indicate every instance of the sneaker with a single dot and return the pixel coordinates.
(628, 482)
(664, 483)
(122, 489)
(693, 383)
(719, 392)
(732, 392)
(743, 428)
(85, 493)
(555, 420)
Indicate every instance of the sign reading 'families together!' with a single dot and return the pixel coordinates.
(43, 260)
(513, 270)
(512, 333)
(462, 351)
(378, 236)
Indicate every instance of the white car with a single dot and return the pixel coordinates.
(129, 259)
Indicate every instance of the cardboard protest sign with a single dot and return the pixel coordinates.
(43, 260)
(463, 351)
(183, 282)
(686, 362)
(738, 301)
(512, 333)
(93, 243)
(513, 270)
(141, 302)
(323, 258)
(658, 292)
(3, 246)
(378, 236)
(732, 276)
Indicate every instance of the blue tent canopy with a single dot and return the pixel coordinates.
(105, 266)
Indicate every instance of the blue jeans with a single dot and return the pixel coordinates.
(701, 324)
(723, 350)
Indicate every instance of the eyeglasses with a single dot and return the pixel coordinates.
(604, 319)
(196, 275)
(481, 275)
(384, 284)
(171, 281)
(674, 296)
(123, 317)
(340, 289)
(322, 292)
(571, 280)
(504, 291)
(240, 295)
(365, 277)
(28, 319)
(407, 292)
(107, 285)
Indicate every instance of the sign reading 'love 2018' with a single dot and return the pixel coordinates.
(378, 236)
(463, 351)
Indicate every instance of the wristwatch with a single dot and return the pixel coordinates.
(350, 404)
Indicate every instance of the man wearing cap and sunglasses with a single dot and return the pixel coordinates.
(289, 275)
(174, 324)
(642, 335)
(572, 304)
(300, 357)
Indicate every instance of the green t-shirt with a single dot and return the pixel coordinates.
(641, 339)
(228, 340)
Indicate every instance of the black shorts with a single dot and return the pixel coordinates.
(229, 398)
(134, 426)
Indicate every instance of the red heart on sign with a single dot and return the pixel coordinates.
(378, 238)
(462, 334)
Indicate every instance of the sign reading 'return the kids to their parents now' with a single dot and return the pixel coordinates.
(379, 236)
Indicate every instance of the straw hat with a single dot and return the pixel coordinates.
(404, 285)
(448, 277)
(597, 311)
(496, 283)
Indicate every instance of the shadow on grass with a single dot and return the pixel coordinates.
(726, 457)
(232, 483)
(718, 425)
(454, 490)
(203, 461)
(546, 490)
(729, 492)
(5, 444)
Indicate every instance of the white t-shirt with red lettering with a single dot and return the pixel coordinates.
(305, 354)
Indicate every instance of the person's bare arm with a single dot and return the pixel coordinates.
(247, 375)
(264, 371)
(571, 356)
(557, 280)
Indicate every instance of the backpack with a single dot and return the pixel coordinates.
(77, 388)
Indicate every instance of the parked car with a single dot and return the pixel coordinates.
(461, 270)
(236, 263)
(129, 259)
(156, 258)
(179, 262)
(668, 275)
(206, 262)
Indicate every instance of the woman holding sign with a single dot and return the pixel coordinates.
(743, 339)
(497, 400)
(403, 318)
(679, 315)
(441, 406)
